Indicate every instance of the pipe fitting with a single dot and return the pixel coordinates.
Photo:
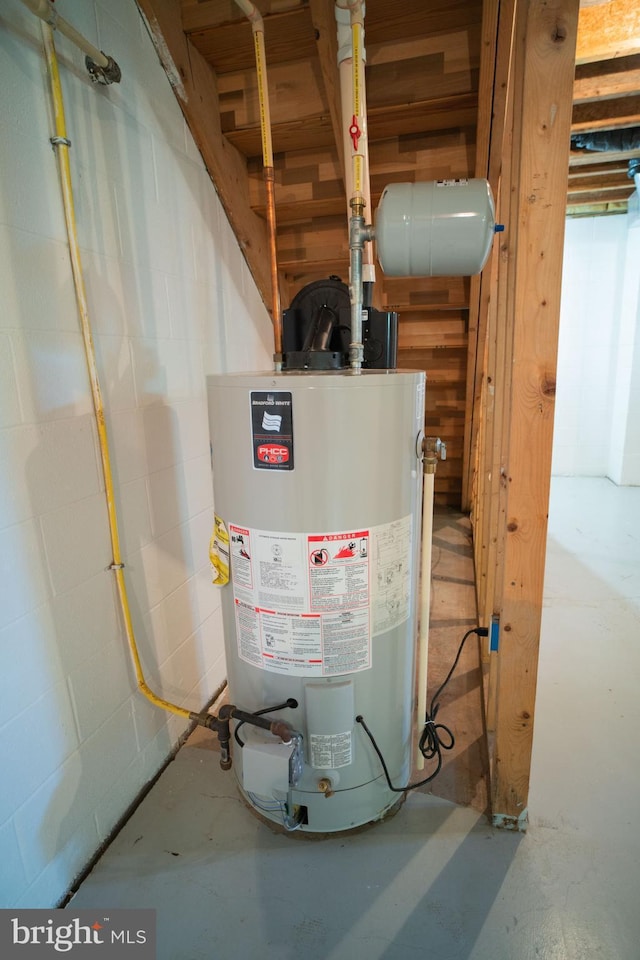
(325, 786)
(357, 204)
(105, 75)
(252, 14)
(281, 729)
(359, 234)
(433, 449)
(220, 726)
(228, 711)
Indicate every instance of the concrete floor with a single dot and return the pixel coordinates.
(435, 881)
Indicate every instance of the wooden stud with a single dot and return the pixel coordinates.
(540, 197)
(490, 14)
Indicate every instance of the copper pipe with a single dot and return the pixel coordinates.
(269, 182)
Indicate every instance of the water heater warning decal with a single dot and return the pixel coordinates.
(302, 600)
(272, 430)
(309, 604)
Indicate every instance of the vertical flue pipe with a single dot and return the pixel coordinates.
(257, 25)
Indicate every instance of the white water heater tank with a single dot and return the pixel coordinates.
(442, 228)
(318, 480)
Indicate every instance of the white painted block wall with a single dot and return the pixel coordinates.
(171, 300)
(597, 415)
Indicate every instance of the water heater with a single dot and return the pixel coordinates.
(317, 483)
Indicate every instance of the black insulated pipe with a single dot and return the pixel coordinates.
(607, 140)
(221, 726)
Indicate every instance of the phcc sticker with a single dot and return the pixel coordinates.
(272, 430)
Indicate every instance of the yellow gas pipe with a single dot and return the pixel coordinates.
(61, 143)
(257, 26)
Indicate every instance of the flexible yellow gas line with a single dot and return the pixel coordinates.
(62, 144)
(257, 25)
(356, 66)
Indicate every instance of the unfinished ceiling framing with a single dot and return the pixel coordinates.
(427, 119)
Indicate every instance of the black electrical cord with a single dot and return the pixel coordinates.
(431, 742)
(290, 703)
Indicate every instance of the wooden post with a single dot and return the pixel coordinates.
(547, 51)
(478, 302)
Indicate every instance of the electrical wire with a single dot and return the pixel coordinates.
(290, 703)
(268, 807)
(435, 737)
(276, 806)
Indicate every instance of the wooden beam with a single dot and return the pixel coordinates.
(288, 35)
(607, 79)
(581, 158)
(316, 130)
(477, 313)
(385, 23)
(440, 292)
(483, 400)
(499, 370)
(548, 53)
(601, 196)
(324, 24)
(600, 182)
(207, 14)
(423, 116)
(606, 115)
(608, 30)
(458, 48)
(195, 86)
(602, 169)
(597, 209)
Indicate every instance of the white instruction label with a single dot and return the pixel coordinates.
(391, 558)
(308, 604)
(331, 751)
(459, 182)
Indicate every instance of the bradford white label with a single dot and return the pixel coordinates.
(272, 430)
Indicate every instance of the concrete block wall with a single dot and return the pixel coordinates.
(598, 392)
(171, 299)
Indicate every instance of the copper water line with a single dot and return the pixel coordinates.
(269, 181)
